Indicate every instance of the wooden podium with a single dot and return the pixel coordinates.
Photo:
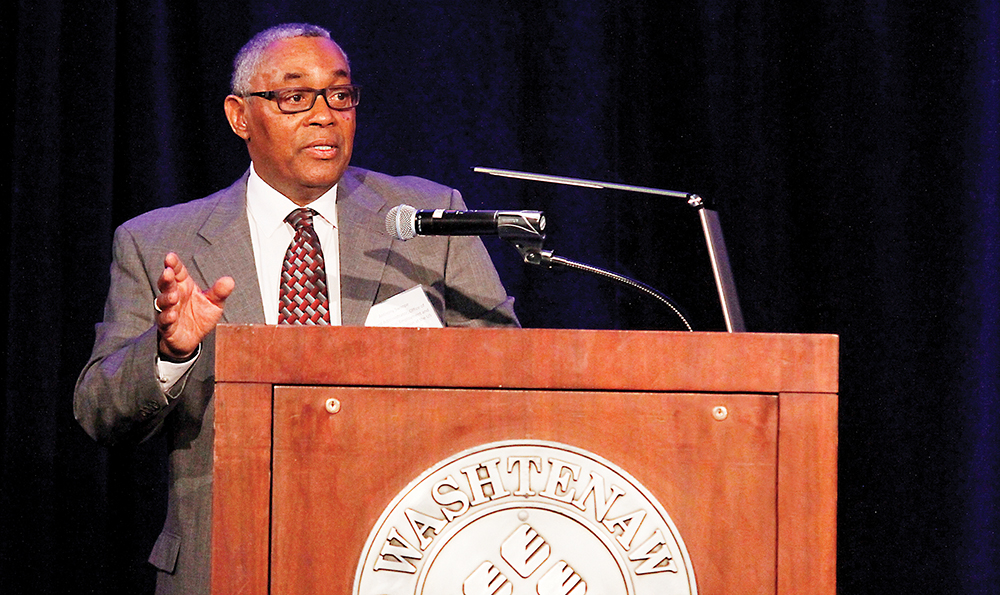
(317, 429)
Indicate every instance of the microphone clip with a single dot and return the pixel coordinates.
(527, 239)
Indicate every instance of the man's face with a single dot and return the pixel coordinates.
(301, 155)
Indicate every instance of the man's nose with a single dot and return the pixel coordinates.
(321, 110)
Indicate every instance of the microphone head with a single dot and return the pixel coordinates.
(400, 222)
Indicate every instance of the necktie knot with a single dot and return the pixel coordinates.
(300, 218)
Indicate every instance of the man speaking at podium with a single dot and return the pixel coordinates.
(298, 230)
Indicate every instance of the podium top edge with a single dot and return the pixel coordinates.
(549, 359)
(254, 328)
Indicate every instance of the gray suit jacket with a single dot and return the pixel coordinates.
(118, 398)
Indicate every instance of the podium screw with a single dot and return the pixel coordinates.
(332, 405)
(720, 413)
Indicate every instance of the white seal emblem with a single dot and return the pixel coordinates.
(523, 518)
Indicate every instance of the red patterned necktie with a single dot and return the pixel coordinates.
(303, 298)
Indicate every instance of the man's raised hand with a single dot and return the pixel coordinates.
(185, 313)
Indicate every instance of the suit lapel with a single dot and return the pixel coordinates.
(230, 252)
(364, 247)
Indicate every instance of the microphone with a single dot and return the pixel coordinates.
(404, 222)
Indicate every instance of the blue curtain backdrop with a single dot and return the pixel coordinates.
(850, 146)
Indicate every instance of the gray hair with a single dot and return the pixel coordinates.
(248, 59)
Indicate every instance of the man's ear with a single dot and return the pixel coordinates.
(236, 113)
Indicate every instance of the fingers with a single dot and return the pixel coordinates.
(222, 289)
(175, 285)
(172, 261)
(167, 299)
(174, 272)
(168, 303)
(169, 287)
(167, 280)
(176, 281)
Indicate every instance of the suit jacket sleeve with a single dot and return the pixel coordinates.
(117, 396)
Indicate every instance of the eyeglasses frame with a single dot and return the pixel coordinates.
(354, 90)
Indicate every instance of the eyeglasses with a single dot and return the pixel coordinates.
(301, 99)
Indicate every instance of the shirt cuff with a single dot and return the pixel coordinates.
(171, 374)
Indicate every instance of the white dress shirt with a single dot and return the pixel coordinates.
(270, 236)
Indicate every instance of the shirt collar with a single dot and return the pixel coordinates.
(269, 207)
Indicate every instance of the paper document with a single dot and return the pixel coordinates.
(408, 309)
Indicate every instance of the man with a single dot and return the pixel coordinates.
(177, 272)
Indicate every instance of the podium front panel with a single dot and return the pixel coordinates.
(341, 454)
